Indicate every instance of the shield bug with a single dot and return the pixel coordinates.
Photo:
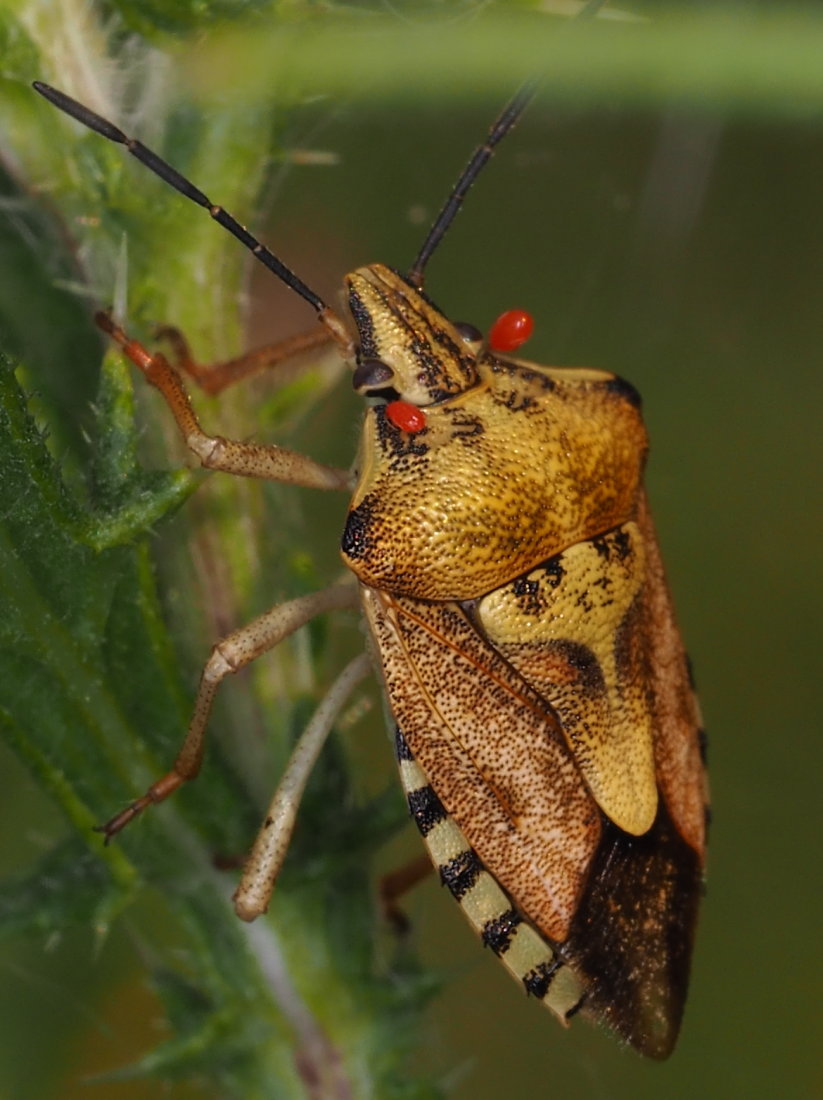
(547, 733)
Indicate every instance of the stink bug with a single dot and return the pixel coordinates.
(547, 734)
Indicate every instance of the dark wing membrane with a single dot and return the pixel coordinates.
(633, 931)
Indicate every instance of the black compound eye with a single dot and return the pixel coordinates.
(371, 374)
(468, 333)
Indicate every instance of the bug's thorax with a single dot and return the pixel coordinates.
(514, 462)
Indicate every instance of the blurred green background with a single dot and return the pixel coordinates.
(658, 210)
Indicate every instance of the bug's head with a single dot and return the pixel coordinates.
(407, 349)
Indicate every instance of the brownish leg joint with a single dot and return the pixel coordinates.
(215, 377)
(232, 456)
(156, 793)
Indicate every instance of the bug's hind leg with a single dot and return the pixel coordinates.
(396, 884)
(215, 377)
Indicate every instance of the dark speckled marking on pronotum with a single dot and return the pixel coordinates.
(625, 390)
(357, 540)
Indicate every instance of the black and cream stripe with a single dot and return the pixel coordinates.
(521, 949)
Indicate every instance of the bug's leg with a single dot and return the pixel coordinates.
(238, 649)
(214, 377)
(394, 885)
(253, 894)
(216, 453)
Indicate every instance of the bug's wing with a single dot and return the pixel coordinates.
(574, 629)
(622, 907)
(633, 933)
(634, 928)
(679, 738)
(493, 752)
(527, 954)
(593, 632)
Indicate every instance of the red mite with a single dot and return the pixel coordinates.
(510, 330)
(409, 418)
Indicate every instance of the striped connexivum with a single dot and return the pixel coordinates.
(528, 957)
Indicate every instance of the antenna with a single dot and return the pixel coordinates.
(479, 158)
(170, 175)
(336, 329)
(507, 118)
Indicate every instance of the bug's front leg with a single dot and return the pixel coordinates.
(232, 456)
(213, 378)
(234, 652)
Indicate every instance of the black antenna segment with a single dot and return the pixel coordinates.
(165, 171)
(479, 158)
(504, 122)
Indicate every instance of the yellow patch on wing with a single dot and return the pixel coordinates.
(573, 629)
